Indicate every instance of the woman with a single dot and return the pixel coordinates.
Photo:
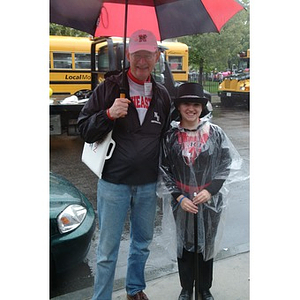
(196, 161)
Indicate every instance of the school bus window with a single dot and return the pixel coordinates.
(82, 61)
(175, 63)
(62, 60)
(103, 62)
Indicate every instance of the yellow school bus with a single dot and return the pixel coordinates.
(236, 88)
(177, 55)
(70, 62)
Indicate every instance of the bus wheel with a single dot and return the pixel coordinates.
(83, 94)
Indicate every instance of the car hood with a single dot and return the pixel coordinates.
(62, 193)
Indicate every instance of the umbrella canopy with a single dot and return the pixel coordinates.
(78, 14)
(165, 18)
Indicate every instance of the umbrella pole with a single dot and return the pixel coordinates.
(122, 89)
(196, 256)
(196, 263)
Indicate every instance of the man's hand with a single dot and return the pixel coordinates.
(120, 108)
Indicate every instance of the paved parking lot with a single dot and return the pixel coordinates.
(65, 159)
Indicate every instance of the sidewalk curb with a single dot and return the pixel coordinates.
(154, 279)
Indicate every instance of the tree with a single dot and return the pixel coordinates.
(56, 29)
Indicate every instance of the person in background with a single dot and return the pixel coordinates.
(129, 177)
(196, 161)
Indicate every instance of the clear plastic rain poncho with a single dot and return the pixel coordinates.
(193, 160)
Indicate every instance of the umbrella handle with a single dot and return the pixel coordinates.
(122, 92)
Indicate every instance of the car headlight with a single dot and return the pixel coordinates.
(71, 218)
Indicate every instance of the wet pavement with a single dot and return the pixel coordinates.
(65, 159)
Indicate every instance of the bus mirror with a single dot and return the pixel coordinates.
(162, 62)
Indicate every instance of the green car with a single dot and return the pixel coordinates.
(72, 224)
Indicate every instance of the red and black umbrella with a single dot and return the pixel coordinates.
(165, 18)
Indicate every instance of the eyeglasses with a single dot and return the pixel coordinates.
(147, 57)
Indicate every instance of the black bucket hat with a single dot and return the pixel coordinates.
(190, 92)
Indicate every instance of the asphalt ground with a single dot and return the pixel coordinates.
(65, 159)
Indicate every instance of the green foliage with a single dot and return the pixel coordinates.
(56, 29)
(219, 50)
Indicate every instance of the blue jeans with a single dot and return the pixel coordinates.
(113, 202)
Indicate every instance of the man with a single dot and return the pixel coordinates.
(129, 177)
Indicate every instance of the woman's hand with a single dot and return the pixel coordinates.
(188, 205)
(202, 197)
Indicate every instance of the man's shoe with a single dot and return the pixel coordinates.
(206, 295)
(138, 296)
(185, 295)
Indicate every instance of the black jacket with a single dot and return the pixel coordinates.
(135, 158)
